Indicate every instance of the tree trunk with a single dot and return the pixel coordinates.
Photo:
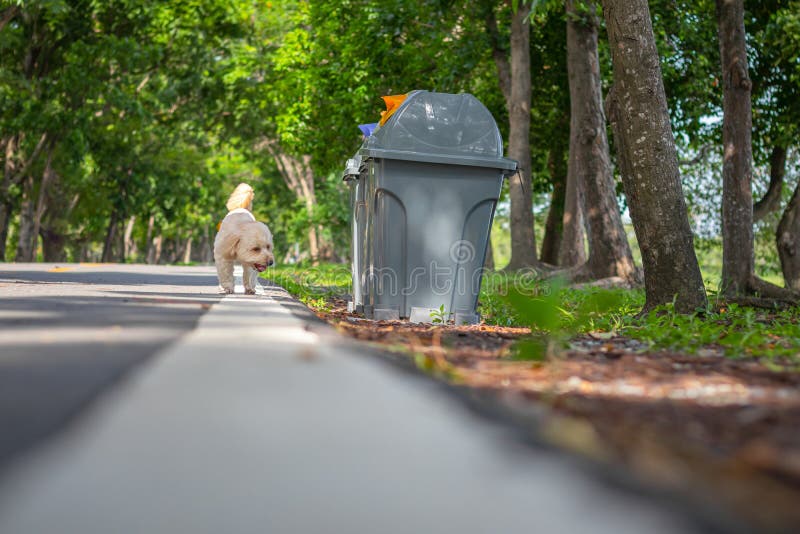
(128, 244)
(488, 262)
(14, 171)
(772, 198)
(26, 240)
(48, 176)
(6, 205)
(313, 233)
(637, 110)
(187, 250)
(55, 226)
(83, 252)
(573, 246)
(148, 240)
(204, 253)
(523, 241)
(499, 52)
(298, 175)
(553, 227)
(5, 220)
(787, 238)
(175, 248)
(737, 201)
(738, 264)
(53, 246)
(589, 162)
(156, 249)
(108, 245)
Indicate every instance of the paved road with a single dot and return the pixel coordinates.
(253, 421)
(67, 332)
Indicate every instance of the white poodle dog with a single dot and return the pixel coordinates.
(244, 240)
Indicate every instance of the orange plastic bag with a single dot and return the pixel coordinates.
(392, 103)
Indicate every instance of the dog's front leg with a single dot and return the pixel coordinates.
(249, 276)
(225, 275)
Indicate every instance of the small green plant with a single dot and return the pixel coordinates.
(552, 320)
(439, 315)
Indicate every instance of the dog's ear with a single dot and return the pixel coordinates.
(229, 245)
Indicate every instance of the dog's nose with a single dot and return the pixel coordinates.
(270, 263)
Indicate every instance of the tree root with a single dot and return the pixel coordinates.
(580, 276)
(570, 275)
(612, 282)
(762, 294)
(757, 302)
(764, 289)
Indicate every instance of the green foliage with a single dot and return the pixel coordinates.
(123, 89)
(156, 110)
(553, 319)
(556, 314)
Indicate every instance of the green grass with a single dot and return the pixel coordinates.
(738, 331)
(312, 285)
(557, 314)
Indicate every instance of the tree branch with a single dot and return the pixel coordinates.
(7, 16)
(498, 54)
(17, 176)
(701, 155)
(772, 198)
(284, 165)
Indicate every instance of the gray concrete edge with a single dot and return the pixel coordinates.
(525, 418)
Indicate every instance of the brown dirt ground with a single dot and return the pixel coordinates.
(726, 431)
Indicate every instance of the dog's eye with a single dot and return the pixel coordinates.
(256, 249)
(269, 247)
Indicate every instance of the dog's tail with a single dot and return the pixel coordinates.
(242, 197)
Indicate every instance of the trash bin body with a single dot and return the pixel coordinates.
(429, 229)
(432, 176)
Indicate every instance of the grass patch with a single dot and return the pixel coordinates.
(562, 313)
(312, 285)
(737, 331)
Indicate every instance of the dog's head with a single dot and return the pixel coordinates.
(254, 246)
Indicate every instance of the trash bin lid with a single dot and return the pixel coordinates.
(440, 128)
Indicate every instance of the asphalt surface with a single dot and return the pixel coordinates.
(240, 414)
(68, 332)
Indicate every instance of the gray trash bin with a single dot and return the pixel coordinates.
(424, 187)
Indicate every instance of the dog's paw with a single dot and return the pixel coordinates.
(249, 291)
(224, 290)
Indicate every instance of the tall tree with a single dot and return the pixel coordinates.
(787, 238)
(523, 241)
(785, 26)
(738, 264)
(553, 227)
(589, 162)
(771, 201)
(637, 110)
(299, 177)
(572, 251)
